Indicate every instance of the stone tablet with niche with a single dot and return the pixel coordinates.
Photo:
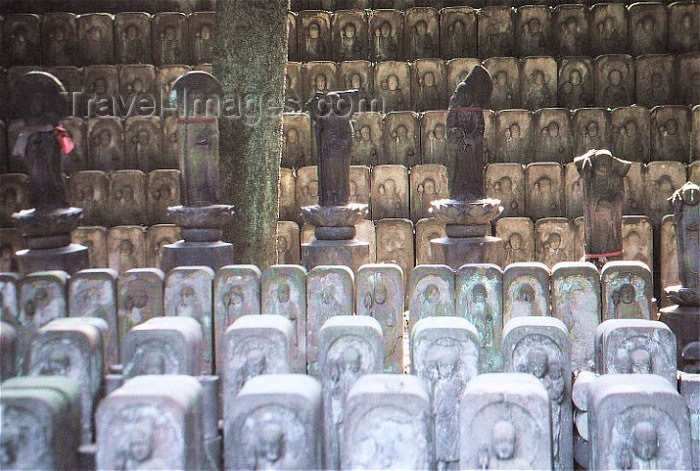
(431, 292)
(458, 33)
(552, 140)
(253, 345)
(636, 346)
(389, 192)
(661, 180)
(152, 422)
(140, 297)
(575, 82)
(386, 33)
(202, 34)
(133, 38)
(95, 239)
(401, 139)
(654, 80)
(277, 419)
(170, 38)
(670, 128)
(427, 229)
(22, 40)
(236, 294)
(96, 39)
(445, 354)
(163, 192)
(296, 149)
(8, 348)
(395, 243)
(554, 241)
(637, 239)
(635, 201)
(525, 290)
(358, 75)
(288, 243)
(576, 302)
(349, 347)
(143, 143)
(392, 86)
(505, 182)
(283, 289)
(433, 136)
(319, 77)
(379, 292)
(689, 89)
(106, 143)
(631, 132)
(329, 293)
(367, 145)
(157, 237)
(506, 82)
(519, 435)
(518, 236)
(381, 412)
(683, 22)
(543, 190)
(349, 33)
(428, 85)
(608, 27)
(127, 197)
(496, 31)
(637, 422)
(647, 28)
(538, 82)
(428, 182)
(478, 295)
(533, 32)
(421, 37)
(314, 35)
(458, 68)
(590, 129)
(126, 247)
(571, 33)
(514, 137)
(614, 80)
(626, 289)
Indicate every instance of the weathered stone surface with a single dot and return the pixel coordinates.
(496, 31)
(96, 39)
(690, 390)
(428, 183)
(506, 182)
(543, 190)
(389, 192)
(22, 40)
(514, 135)
(637, 421)
(277, 421)
(670, 127)
(349, 33)
(591, 129)
(314, 35)
(8, 348)
(126, 247)
(575, 299)
(682, 27)
(381, 412)
(133, 38)
(516, 408)
(445, 354)
(660, 181)
(379, 292)
(157, 237)
(525, 290)
(636, 346)
(518, 236)
(153, 421)
(580, 388)
(686, 218)
(431, 292)
(386, 31)
(575, 79)
(296, 150)
(458, 32)
(538, 82)
(554, 241)
(647, 31)
(189, 292)
(349, 347)
(202, 31)
(626, 290)
(283, 292)
(638, 239)
(140, 298)
(368, 129)
(395, 243)
(9, 315)
(401, 134)
(552, 134)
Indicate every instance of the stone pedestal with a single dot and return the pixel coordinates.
(335, 242)
(467, 228)
(684, 321)
(201, 233)
(48, 236)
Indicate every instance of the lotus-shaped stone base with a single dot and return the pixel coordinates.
(334, 216)
(201, 217)
(466, 212)
(683, 296)
(32, 223)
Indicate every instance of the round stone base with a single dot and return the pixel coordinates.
(70, 258)
(209, 254)
(456, 252)
(351, 253)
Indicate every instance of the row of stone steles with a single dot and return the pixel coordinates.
(494, 31)
(448, 350)
(334, 5)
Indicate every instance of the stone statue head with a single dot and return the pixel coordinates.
(385, 29)
(431, 293)
(537, 362)
(515, 241)
(421, 27)
(366, 133)
(553, 241)
(380, 293)
(615, 77)
(235, 296)
(187, 295)
(645, 441)
(271, 442)
(140, 440)
(479, 293)
(283, 292)
(503, 439)
(526, 293)
(457, 27)
(447, 363)
(575, 77)
(625, 295)
(356, 81)
(640, 361)
(534, 25)
(314, 30)
(153, 363)
(205, 32)
(351, 360)
(392, 82)
(349, 29)
(429, 79)
(57, 364)
(439, 131)
(255, 362)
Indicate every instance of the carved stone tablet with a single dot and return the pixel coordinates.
(163, 192)
(552, 136)
(101, 86)
(293, 47)
(608, 28)
(670, 128)
(538, 82)
(668, 256)
(626, 289)
(133, 38)
(395, 243)
(661, 180)
(137, 84)
(571, 31)
(655, 82)
(636, 346)
(170, 39)
(392, 86)
(152, 422)
(95, 239)
(401, 139)
(434, 139)
(127, 197)
(202, 34)
(143, 144)
(140, 298)
(518, 235)
(573, 191)
(21, 40)
(540, 346)
(479, 299)
(647, 28)
(554, 241)
(543, 190)
(254, 345)
(445, 354)
(386, 33)
(288, 243)
(359, 184)
(428, 84)
(576, 302)
(389, 192)
(458, 69)
(614, 80)
(288, 195)
(637, 239)
(329, 293)
(294, 88)
(496, 31)
(368, 130)
(575, 82)
(428, 183)
(93, 293)
(518, 435)
(506, 182)
(431, 292)
(533, 34)
(379, 293)
(14, 196)
(349, 347)
(458, 33)
(59, 39)
(683, 27)
(126, 247)
(427, 229)
(296, 149)
(236, 294)
(277, 421)
(631, 131)
(506, 82)
(421, 38)
(637, 421)
(525, 290)
(349, 33)
(77, 160)
(306, 187)
(284, 293)
(95, 36)
(514, 136)
(157, 237)
(314, 35)
(380, 411)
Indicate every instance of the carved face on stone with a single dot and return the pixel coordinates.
(447, 363)
(351, 361)
(349, 30)
(421, 28)
(385, 29)
(380, 293)
(282, 293)
(356, 81)
(255, 362)
(503, 439)
(271, 443)
(537, 362)
(640, 361)
(432, 293)
(58, 364)
(153, 363)
(140, 446)
(515, 241)
(626, 294)
(429, 79)
(314, 31)
(10, 442)
(645, 441)
(526, 294)
(187, 295)
(392, 82)
(615, 77)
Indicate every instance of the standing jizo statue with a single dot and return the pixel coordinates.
(604, 195)
(39, 99)
(467, 214)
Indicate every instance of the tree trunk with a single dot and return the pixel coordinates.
(251, 53)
